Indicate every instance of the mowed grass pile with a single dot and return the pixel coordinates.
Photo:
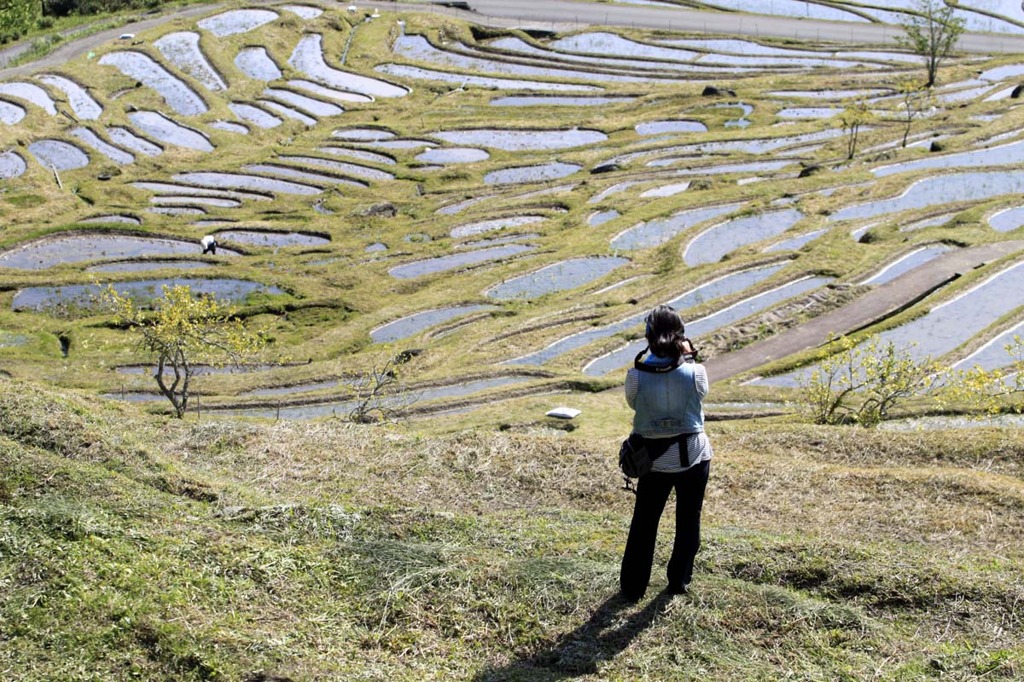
(133, 547)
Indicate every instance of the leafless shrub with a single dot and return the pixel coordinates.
(380, 393)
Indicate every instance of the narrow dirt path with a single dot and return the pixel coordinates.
(875, 305)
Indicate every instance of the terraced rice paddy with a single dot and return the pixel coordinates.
(58, 155)
(84, 295)
(78, 247)
(162, 129)
(556, 277)
(11, 165)
(412, 152)
(418, 322)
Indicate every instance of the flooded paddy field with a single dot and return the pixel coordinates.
(413, 396)
(163, 129)
(714, 243)
(175, 92)
(495, 197)
(556, 277)
(990, 16)
(718, 288)
(85, 295)
(84, 105)
(457, 261)
(267, 238)
(11, 113)
(11, 165)
(58, 155)
(523, 175)
(622, 357)
(30, 93)
(418, 322)
(908, 262)
(95, 142)
(76, 247)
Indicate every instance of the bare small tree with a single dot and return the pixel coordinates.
(932, 31)
(852, 119)
(914, 98)
(380, 393)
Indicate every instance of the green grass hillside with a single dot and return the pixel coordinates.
(134, 547)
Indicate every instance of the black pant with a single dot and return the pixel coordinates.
(651, 495)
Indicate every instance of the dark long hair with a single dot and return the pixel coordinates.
(665, 333)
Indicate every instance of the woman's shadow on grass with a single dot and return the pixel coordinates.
(578, 653)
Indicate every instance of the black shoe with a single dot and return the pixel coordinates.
(631, 598)
(683, 588)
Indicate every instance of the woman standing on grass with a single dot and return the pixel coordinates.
(665, 388)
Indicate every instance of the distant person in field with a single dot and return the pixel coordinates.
(665, 388)
(209, 244)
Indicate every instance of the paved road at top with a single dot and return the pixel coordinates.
(567, 14)
(577, 13)
(76, 47)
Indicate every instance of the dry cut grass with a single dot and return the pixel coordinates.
(223, 550)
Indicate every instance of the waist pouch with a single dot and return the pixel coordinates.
(637, 453)
(656, 447)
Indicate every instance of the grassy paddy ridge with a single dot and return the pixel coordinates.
(133, 547)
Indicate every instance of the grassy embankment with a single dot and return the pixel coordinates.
(134, 547)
